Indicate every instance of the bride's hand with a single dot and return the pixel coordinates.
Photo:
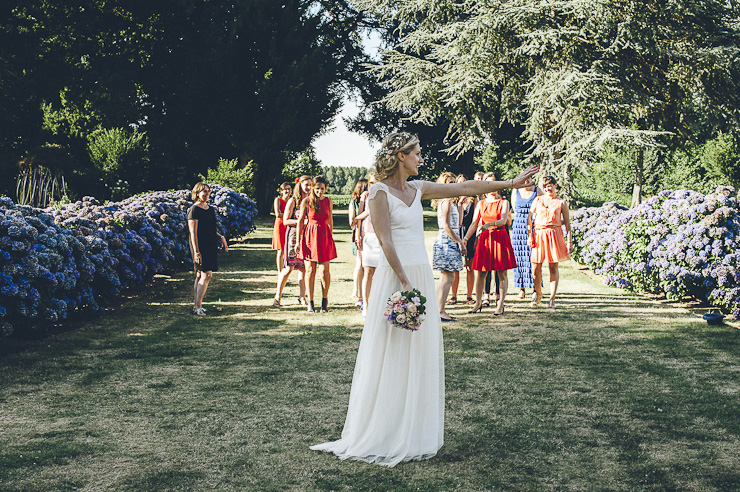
(525, 177)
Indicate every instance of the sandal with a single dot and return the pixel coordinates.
(302, 301)
(535, 300)
(276, 302)
(199, 312)
(470, 301)
(453, 300)
(486, 303)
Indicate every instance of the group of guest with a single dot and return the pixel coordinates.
(303, 238)
(473, 236)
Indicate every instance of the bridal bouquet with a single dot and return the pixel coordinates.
(405, 309)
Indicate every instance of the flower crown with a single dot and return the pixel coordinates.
(398, 141)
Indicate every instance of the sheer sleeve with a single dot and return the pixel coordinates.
(375, 188)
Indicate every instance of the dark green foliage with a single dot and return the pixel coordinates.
(229, 173)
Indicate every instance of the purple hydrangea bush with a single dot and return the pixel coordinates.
(678, 243)
(57, 262)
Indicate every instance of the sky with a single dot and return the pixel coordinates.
(340, 147)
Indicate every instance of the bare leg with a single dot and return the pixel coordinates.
(480, 281)
(470, 279)
(455, 285)
(311, 278)
(301, 285)
(367, 283)
(443, 288)
(325, 278)
(282, 280)
(201, 286)
(503, 284)
(279, 260)
(554, 280)
(537, 284)
(357, 276)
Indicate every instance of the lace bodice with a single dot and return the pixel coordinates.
(407, 222)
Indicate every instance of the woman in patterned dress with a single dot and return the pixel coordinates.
(448, 249)
(354, 223)
(521, 201)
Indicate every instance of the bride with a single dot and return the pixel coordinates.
(396, 404)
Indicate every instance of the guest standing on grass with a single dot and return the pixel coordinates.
(292, 260)
(203, 240)
(465, 209)
(369, 244)
(278, 228)
(354, 224)
(448, 249)
(493, 251)
(521, 201)
(317, 243)
(547, 216)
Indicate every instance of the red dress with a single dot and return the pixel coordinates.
(493, 250)
(317, 243)
(278, 229)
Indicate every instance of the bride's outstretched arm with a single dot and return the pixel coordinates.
(473, 188)
(382, 224)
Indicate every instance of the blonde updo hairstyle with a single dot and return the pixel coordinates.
(387, 161)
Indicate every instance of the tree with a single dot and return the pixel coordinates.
(577, 75)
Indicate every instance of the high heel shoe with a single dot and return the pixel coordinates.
(535, 300)
(310, 307)
(324, 305)
(476, 310)
(501, 313)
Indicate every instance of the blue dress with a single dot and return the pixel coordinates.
(522, 251)
(446, 252)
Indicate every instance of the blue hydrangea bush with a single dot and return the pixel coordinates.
(678, 244)
(74, 259)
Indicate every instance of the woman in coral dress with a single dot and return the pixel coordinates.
(317, 244)
(547, 216)
(278, 228)
(493, 250)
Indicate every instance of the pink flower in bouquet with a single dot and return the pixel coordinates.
(405, 309)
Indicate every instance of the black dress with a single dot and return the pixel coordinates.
(207, 238)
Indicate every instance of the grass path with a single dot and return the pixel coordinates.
(611, 392)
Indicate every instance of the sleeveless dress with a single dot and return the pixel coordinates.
(396, 404)
(520, 242)
(370, 243)
(493, 252)
(207, 238)
(317, 243)
(278, 228)
(467, 219)
(446, 256)
(291, 238)
(549, 243)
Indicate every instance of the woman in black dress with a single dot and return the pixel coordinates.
(204, 240)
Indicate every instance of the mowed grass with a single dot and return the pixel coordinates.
(610, 392)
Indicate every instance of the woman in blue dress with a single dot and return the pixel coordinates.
(521, 201)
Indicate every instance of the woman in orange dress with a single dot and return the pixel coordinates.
(317, 244)
(278, 228)
(547, 216)
(493, 250)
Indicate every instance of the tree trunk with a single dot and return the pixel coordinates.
(637, 186)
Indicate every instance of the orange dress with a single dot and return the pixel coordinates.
(493, 250)
(549, 242)
(278, 228)
(317, 243)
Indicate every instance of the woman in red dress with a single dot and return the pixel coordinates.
(278, 228)
(317, 244)
(493, 250)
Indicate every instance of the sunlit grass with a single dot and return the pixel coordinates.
(611, 391)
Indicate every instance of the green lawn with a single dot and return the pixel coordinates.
(611, 392)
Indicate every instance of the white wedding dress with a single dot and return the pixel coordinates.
(396, 404)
